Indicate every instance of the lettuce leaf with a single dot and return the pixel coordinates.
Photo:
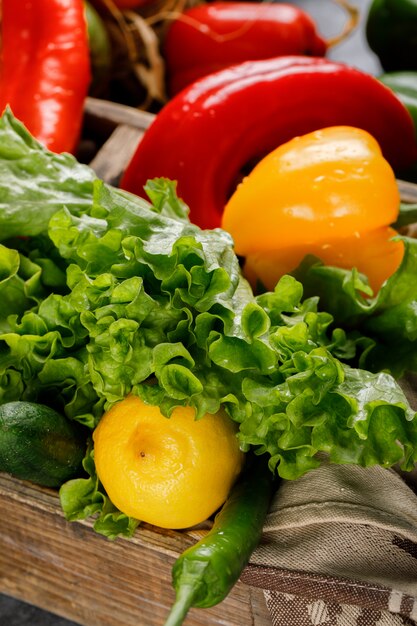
(383, 327)
(34, 183)
(84, 497)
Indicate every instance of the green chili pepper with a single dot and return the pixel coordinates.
(205, 573)
(391, 32)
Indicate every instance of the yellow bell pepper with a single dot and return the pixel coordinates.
(330, 193)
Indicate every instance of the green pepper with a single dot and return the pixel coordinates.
(205, 573)
(391, 32)
(404, 85)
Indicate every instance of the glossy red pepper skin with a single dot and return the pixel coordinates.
(46, 68)
(206, 136)
(216, 35)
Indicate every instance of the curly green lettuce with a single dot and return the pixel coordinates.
(384, 326)
(110, 293)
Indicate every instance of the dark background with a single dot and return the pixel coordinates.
(330, 19)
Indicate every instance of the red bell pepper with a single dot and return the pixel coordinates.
(45, 69)
(212, 36)
(206, 136)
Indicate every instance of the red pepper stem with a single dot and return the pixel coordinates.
(181, 606)
(350, 24)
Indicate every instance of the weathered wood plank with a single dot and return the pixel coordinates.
(117, 113)
(408, 191)
(114, 155)
(68, 569)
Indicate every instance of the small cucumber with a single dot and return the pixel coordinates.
(39, 444)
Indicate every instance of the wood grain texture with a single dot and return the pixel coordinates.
(122, 143)
(123, 128)
(68, 569)
(114, 113)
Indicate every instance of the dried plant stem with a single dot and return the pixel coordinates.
(153, 77)
(349, 26)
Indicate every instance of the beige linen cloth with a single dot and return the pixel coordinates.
(340, 548)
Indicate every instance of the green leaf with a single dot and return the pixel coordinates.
(407, 215)
(163, 196)
(35, 183)
(382, 328)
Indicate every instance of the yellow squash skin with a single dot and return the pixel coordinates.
(171, 472)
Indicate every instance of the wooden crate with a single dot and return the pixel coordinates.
(117, 130)
(68, 569)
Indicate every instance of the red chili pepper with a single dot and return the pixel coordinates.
(207, 135)
(210, 37)
(46, 69)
